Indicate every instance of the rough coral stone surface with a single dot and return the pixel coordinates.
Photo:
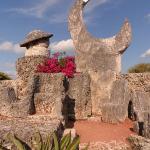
(8, 83)
(139, 143)
(24, 105)
(139, 85)
(49, 94)
(147, 127)
(79, 96)
(137, 81)
(35, 35)
(37, 50)
(26, 66)
(7, 97)
(12, 104)
(116, 109)
(105, 146)
(99, 57)
(101, 83)
(25, 128)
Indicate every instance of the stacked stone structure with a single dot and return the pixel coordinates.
(139, 88)
(29, 103)
(46, 101)
(36, 97)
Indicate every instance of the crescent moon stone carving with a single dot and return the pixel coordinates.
(99, 57)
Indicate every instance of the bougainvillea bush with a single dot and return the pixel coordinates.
(58, 63)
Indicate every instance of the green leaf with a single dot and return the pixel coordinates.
(56, 144)
(16, 141)
(47, 145)
(4, 76)
(65, 141)
(74, 145)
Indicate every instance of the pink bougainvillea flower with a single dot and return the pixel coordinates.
(59, 63)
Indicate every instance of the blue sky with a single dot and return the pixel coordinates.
(103, 19)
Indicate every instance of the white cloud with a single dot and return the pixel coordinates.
(37, 10)
(93, 4)
(11, 47)
(58, 18)
(64, 45)
(146, 54)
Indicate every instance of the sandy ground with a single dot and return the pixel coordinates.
(90, 131)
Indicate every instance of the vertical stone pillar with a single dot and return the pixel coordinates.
(36, 44)
(79, 96)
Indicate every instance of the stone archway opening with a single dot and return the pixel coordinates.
(69, 112)
(68, 109)
(131, 111)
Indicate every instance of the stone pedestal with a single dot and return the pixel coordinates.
(26, 67)
(49, 94)
(78, 97)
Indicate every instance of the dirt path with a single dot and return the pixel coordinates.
(90, 131)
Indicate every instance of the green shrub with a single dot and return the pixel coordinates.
(4, 76)
(140, 68)
(48, 143)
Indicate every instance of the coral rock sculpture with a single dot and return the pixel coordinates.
(101, 58)
(37, 43)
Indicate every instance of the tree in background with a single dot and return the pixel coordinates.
(140, 68)
(4, 76)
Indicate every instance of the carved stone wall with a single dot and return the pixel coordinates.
(128, 88)
(26, 66)
(10, 102)
(116, 109)
(137, 81)
(49, 94)
(7, 98)
(55, 95)
(46, 94)
(78, 96)
(139, 87)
